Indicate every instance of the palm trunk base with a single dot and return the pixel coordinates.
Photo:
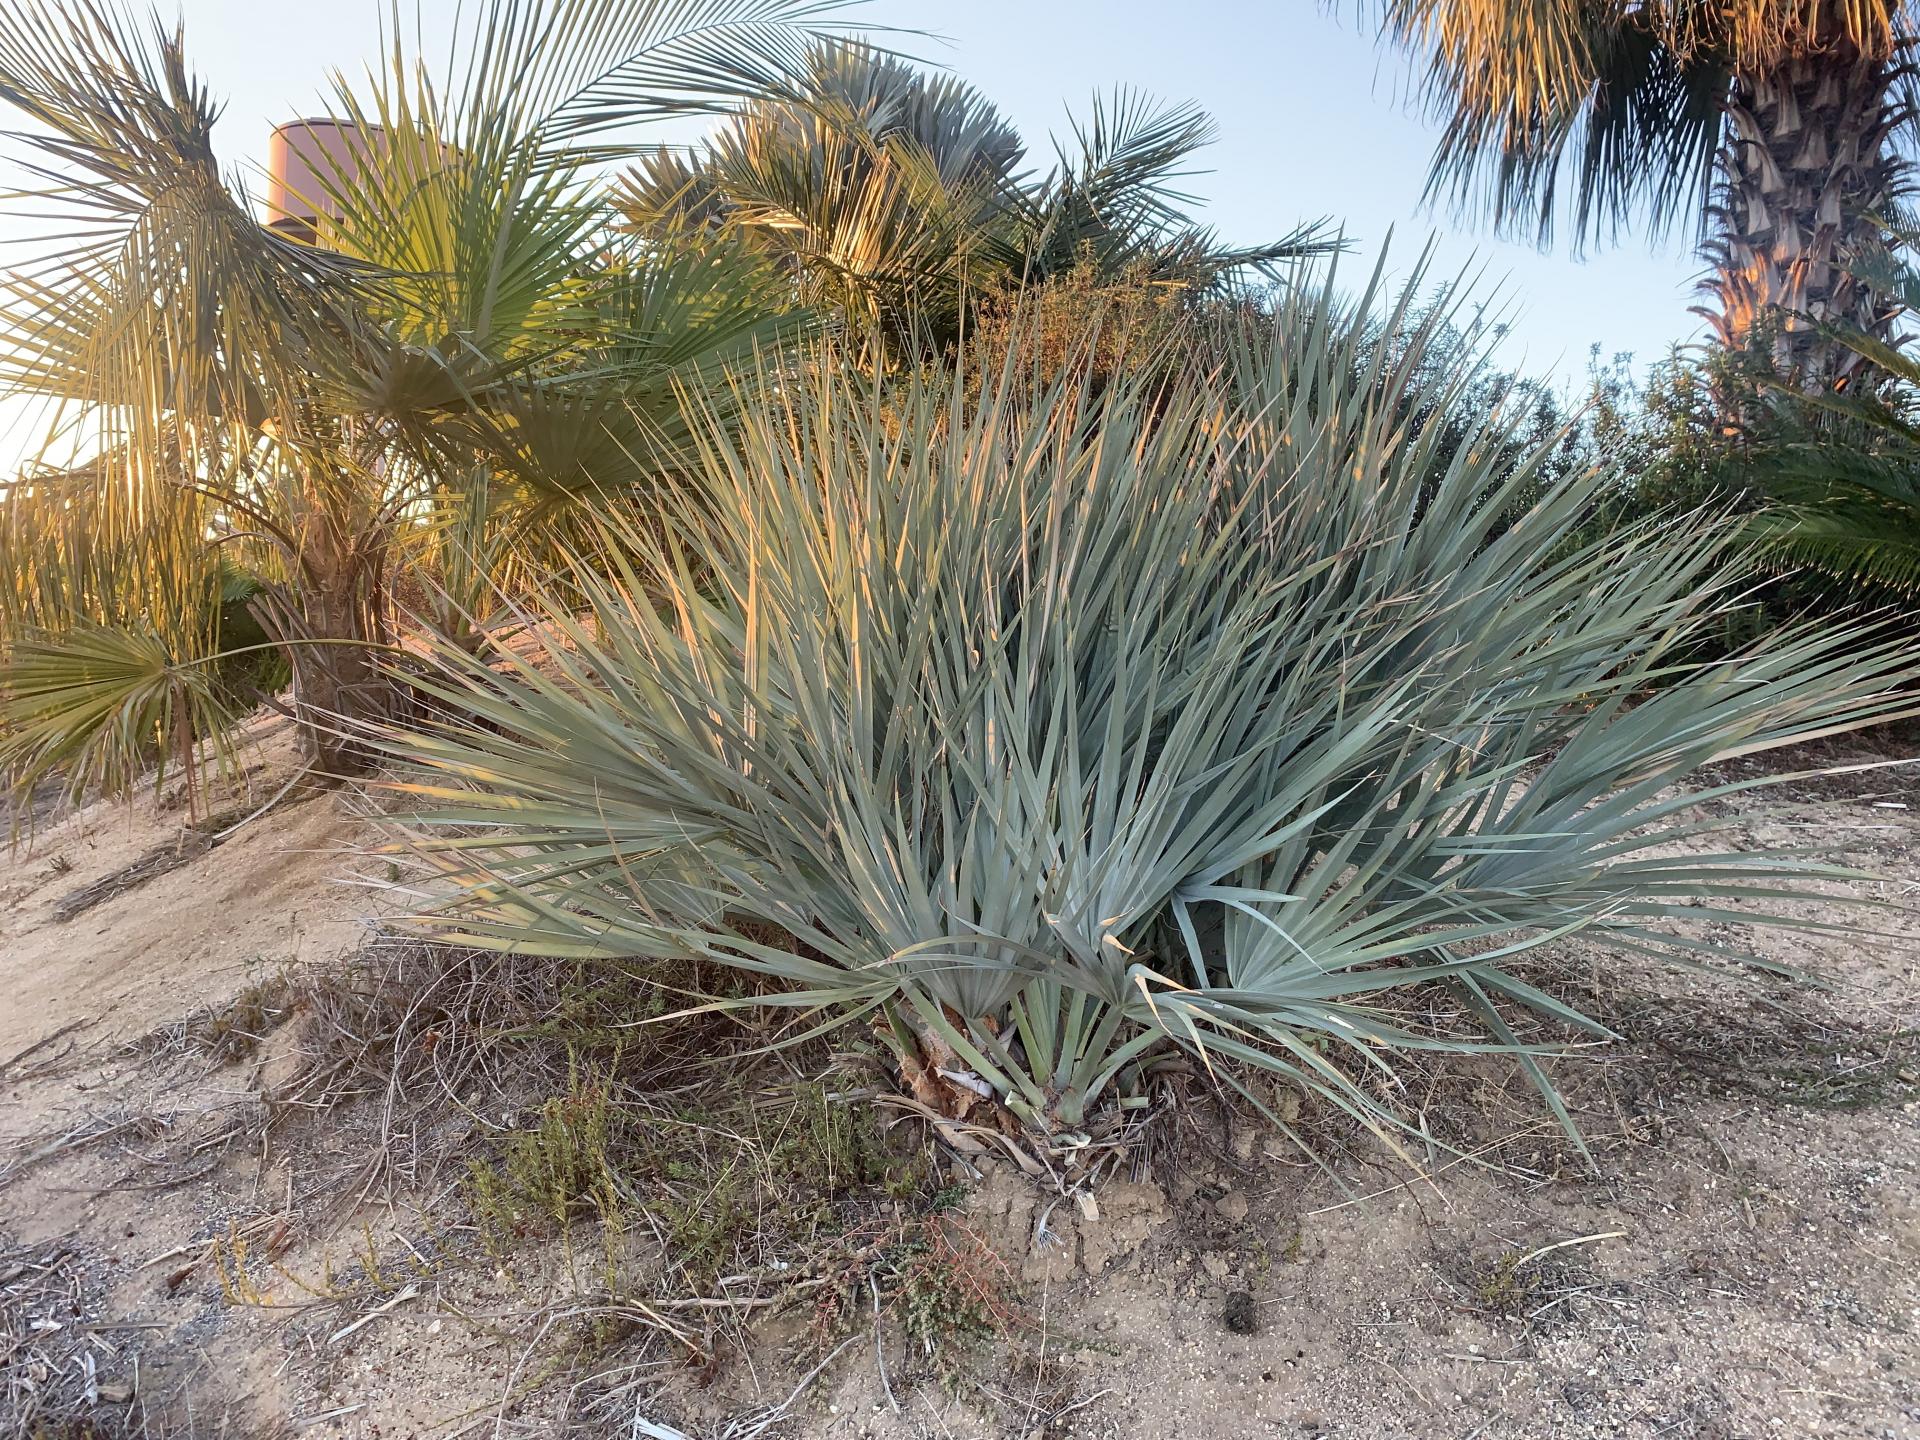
(339, 690)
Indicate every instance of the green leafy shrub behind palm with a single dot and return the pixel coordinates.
(1063, 736)
(1843, 473)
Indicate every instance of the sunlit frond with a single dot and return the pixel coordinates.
(301, 404)
(1072, 728)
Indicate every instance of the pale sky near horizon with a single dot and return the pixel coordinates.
(1313, 112)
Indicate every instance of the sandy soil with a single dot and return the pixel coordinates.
(1744, 1260)
(262, 900)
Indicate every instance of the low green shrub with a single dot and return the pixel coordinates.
(1059, 735)
(561, 1167)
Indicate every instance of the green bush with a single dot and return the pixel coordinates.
(1843, 472)
(1062, 734)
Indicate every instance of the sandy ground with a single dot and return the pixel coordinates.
(261, 900)
(1744, 1260)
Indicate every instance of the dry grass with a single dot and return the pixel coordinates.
(48, 1366)
(655, 1189)
(649, 1190)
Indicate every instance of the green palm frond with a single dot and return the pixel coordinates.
(99, 707)
(162, 301)
(1842, 471)
(1875, 546)
(589, 71)
(1843, 511)
(1113, 198)
(875, 192)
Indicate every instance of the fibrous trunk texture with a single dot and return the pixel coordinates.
(330, 631)
(1807, 175)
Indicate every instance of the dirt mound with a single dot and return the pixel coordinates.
(122, 917)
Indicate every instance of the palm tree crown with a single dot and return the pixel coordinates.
(887, 193)
(1780, 127)
(468, 345)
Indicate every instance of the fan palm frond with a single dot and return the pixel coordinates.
(100, 706)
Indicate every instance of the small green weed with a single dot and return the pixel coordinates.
(948, 1288)
(952, 1287)
(1503, 1289)
(838, 1147)
(704, 1231)
(554, 1172)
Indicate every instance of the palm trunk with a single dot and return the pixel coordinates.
(331, 626)
(1805, 177)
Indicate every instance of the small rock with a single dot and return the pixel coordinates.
(1231, 1206)
(1286, 1104)
(116, 1394)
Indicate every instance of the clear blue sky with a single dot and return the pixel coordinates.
(1313, 114)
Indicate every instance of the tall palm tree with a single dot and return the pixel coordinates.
(465, 331)
(1780, 127)
(889, 194)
